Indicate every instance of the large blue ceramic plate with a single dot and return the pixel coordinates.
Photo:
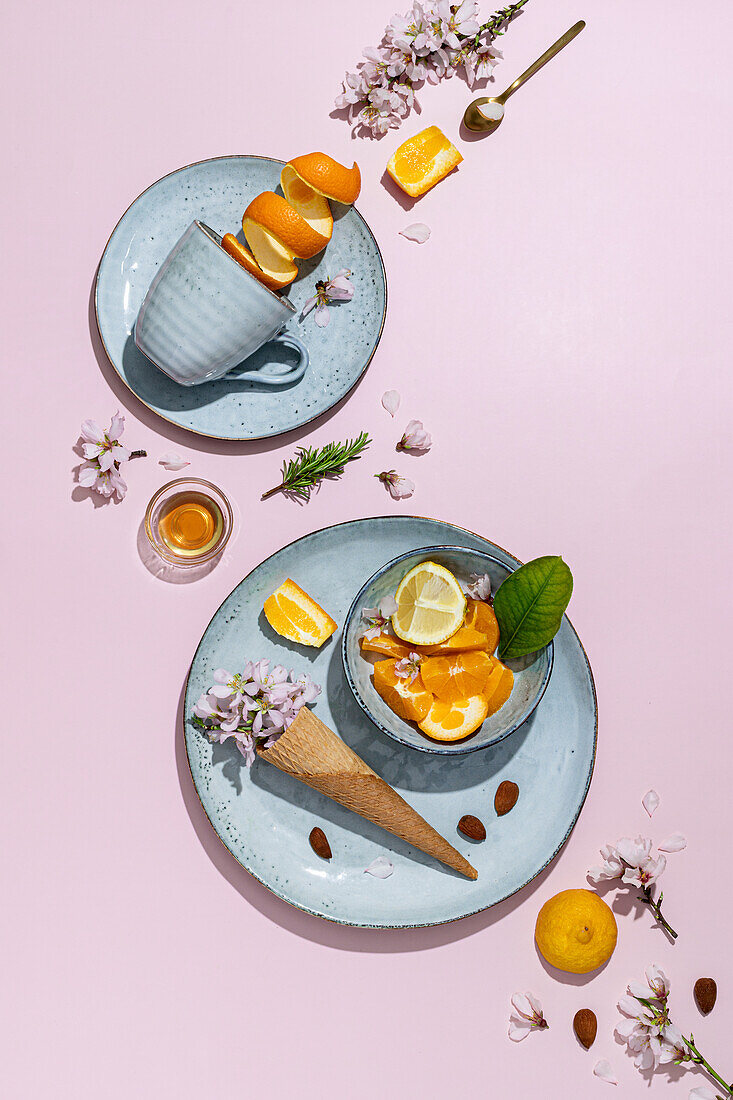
(265, 817)
(218, 191)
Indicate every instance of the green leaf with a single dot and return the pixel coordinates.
(530, 605)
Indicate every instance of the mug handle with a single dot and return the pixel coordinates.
(293, 374)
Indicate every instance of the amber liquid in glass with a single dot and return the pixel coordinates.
(190, 524)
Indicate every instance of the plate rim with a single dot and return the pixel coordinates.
(464, 747)
(196, 431)
(364, 924)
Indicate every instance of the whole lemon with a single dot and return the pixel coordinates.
(576, 931)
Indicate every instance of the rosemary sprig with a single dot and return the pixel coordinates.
(301, 474)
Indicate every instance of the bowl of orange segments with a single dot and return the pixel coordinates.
(450, 694)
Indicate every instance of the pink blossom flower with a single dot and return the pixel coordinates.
(378, 618)
(527, 1016)
(408, 668)
(415, 438)
(105, 447)
(399, 487)
(480, 587)
(337, 289)
(107, 482)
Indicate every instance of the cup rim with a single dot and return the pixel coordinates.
(214, 237)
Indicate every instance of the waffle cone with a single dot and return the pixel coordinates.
(314, 754)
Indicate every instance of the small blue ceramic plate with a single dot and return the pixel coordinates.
(217, 192)
(529, 681)
(265, 817)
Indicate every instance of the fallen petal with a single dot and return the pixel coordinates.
(702, 1093)
(173, 461)
(391, 401)
(380, 867)
(674, 843)
(650, 801)
(518, 1029)
(322, 315)
(603, 1070)
(418, 232)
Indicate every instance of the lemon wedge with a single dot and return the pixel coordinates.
(430, 605)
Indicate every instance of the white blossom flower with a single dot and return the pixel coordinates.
(107, 482)
(408, 668)
(337, 289)
(527, 1016)
(415, 438)
(105, 447)
(399, 487)
(378, 618)
(480, 586)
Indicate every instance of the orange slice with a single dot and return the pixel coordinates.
(454, 721)
(497, 697)
(311, 205)
(422, 161)
(408, 700)
(295, 615)
(289, 228)
(456, 677)
(244, 257)
(327, 177)
(480, 630)
(386, 644)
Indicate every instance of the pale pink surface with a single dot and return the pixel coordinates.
(565, 337)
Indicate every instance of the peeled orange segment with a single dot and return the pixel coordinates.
(244, 257)
(430, 605)
(311, 206)
(480, 630)
(327, 177)
(408, 700)
(276, 262)
(456, 677)
(422, 161)
(385, 644)
(454, 721)
(498, 697)
(275, 214)
(295, 615)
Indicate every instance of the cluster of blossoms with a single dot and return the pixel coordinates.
(103, 454)
(632, 862)
(651, 1037)
(432, 41)
(256, 704)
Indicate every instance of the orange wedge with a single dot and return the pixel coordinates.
(422, 161)
(497, 697)
(408, 700)
(289, 228)
(311, 205)
(480, 630)
(275, 260)
(244, 257)
(454, 721)
(386, 644)
(456, 677)
(326, 176)
(295, 615)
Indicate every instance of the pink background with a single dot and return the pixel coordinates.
(563, 335)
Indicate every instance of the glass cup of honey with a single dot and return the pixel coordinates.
(188, 521)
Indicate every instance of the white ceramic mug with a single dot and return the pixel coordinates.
(204, 313)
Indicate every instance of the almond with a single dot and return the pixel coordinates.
(471, 827)
(585, 1026)
(506, 797)
(706, 993)
(320, 844)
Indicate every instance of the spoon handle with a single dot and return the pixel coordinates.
(555, 48)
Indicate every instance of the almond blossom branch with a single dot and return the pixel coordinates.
(656, 908)
(632, 862)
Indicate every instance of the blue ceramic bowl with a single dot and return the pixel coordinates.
(530, 678)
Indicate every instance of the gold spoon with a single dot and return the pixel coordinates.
(483, 119)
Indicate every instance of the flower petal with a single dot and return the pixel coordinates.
(91, 432)
(173, 461)
(518, 1029)
(323, 315)
(603, 1070)
(391, 401)
(522, 1004)
(702, 1093)
(417, 232)
(674, 843)
(380, 867)
(650, 801)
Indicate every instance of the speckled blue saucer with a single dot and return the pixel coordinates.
(265, 817)
(218, 191)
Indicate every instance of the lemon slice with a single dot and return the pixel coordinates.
(430, 605)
